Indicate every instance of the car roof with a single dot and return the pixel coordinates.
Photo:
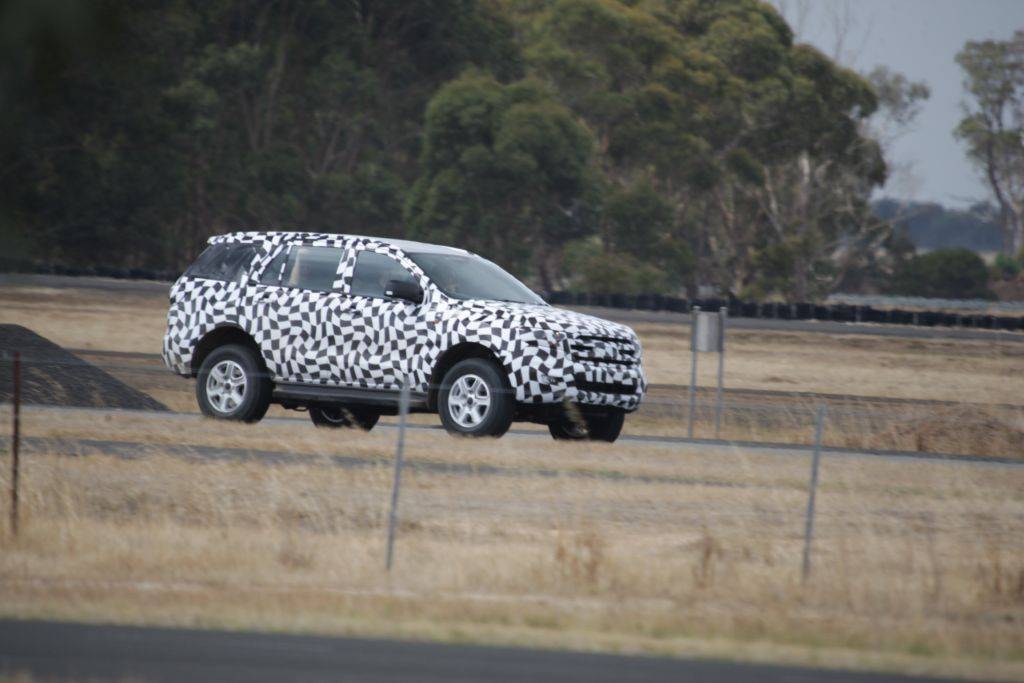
(408, 246)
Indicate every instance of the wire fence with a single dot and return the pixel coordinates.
(763, 524)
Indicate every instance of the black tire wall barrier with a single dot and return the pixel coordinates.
(772, 310)
(114, 272)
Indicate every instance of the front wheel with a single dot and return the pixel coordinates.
(232, 385)
(605, 426)
(475, 399)
(334, 417)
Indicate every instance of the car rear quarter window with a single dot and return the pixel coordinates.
(225, 261)
(272, 274)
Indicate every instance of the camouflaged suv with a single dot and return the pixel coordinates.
(334, 324)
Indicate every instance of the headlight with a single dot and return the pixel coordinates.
(548, 339)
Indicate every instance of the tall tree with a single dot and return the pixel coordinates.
(211, 116)
(993, 126)
(505, 171)
(742, 132)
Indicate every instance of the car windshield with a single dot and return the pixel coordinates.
(471, 277)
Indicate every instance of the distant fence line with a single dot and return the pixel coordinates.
(769, 310)
(115, 272)
(926, 303)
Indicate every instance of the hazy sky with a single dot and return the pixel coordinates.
(919, 38)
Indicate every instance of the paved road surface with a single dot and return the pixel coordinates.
(685, 445)
(152, 365)
(95, 652)
(620, 315)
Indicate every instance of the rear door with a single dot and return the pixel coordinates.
(297, 299)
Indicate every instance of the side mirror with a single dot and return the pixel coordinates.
(405, 290)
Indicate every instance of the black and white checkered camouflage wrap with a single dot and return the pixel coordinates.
(340, 339)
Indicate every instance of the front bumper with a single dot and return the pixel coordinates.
(607, 386)
(588, 370)
(606, 371)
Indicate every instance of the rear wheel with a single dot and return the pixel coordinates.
(475, 399)
(335, 417)
(232, 385)
(604, 426)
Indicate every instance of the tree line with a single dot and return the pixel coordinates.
(636, 146)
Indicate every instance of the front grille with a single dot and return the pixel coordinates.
(583, 384)
(611, 350)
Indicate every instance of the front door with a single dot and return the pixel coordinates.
(383, 337)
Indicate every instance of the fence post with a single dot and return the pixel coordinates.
(15, 436)
(403, 413)
(694, 314)
(723, 314)
(813, 489)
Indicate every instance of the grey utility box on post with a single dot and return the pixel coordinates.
(708, 337)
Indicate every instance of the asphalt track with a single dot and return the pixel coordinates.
(152, 363)
(64, 651)
(683, 444)
(618, 315)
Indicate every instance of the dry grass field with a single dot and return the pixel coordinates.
(917, 565)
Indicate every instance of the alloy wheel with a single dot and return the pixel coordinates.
(468, 401)
(225, 386)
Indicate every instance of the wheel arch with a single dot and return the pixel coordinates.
(455, 354)
(221, 335)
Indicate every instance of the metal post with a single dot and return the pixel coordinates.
(694, 315)
(14, 442)
(723, 313)
(809, 526)
(403, 412)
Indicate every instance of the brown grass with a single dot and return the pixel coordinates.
(944, 369)
(916, 566)
(953, 429)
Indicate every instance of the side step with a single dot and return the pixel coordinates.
(317, 393)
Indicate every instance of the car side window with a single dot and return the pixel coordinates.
(373, 271)
(224, 261)
(313, 268)
(273, 272)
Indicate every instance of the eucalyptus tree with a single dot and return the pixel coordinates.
(993, 126)
(505, 171)
(754, 141)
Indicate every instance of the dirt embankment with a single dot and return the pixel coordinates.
(50, 375)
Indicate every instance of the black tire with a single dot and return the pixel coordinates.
(336, 417)
(248, 405)
(605, 426)
(566, 428)
(495, 418)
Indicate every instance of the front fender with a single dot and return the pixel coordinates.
(539, 365)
